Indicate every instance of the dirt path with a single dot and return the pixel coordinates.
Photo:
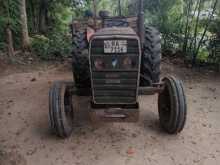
(25, 139)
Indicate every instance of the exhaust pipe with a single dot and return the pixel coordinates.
(119, 8)
(141, 30)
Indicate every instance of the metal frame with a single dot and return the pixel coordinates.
(141, 31)
(116, 113)
(151, 90)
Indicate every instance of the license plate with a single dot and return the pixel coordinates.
(115, 46)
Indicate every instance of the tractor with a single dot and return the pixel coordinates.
(114, 60)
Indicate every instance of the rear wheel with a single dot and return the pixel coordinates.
(151, 57)
(172, 106)
(80, 62)
(61, 109)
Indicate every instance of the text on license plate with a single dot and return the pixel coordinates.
(115, 46)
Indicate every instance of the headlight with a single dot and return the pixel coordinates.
(99, 64)
(127, 63)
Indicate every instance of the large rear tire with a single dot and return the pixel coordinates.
(80, 62)
(61, 109)
(172, 106)
(151, 57)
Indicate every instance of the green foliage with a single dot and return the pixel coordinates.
(56, 46)
(9, 15)
(214, 27)
(60, 15)
(57, 42)
(41, 46)
(203, 54)
(60, 45)
(3, 46)
(183, 24)
(48, 22)
(166, 15)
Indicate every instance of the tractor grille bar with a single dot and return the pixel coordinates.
(114, 84)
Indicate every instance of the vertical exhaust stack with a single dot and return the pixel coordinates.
(119, 8)
(141, 31)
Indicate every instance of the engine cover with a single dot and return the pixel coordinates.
(115, 58)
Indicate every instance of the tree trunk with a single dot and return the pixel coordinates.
(24, 26)
(191, 26)
(194, 42)
(9, 42)
(31, 16)
(186, 32)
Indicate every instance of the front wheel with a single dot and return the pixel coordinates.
(172, 106)
(61, 109)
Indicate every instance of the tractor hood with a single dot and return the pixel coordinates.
(115, 31)
(114, 57)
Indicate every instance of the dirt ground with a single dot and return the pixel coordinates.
(25, 137)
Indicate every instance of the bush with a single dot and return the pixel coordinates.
(214, 27)
(203, 54)
(60, 45)
(56, 46)
(3, 46)
(40, 46)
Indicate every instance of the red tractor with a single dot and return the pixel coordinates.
(116, 59)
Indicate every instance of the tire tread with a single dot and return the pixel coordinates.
(151, 57)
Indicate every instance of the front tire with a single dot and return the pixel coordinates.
(61, 109)
(172, 106)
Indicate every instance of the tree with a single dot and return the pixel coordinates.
(24, 26)
(187, 12)
(215, 3)
(9, 39)
(43, 15)
(6, 26)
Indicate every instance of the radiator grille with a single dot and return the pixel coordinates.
(114, 85)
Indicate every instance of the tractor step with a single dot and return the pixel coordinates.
(114, 115)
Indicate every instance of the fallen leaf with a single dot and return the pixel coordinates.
(130, 151)
(33, 79)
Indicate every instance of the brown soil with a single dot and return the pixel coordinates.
(25, 138)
